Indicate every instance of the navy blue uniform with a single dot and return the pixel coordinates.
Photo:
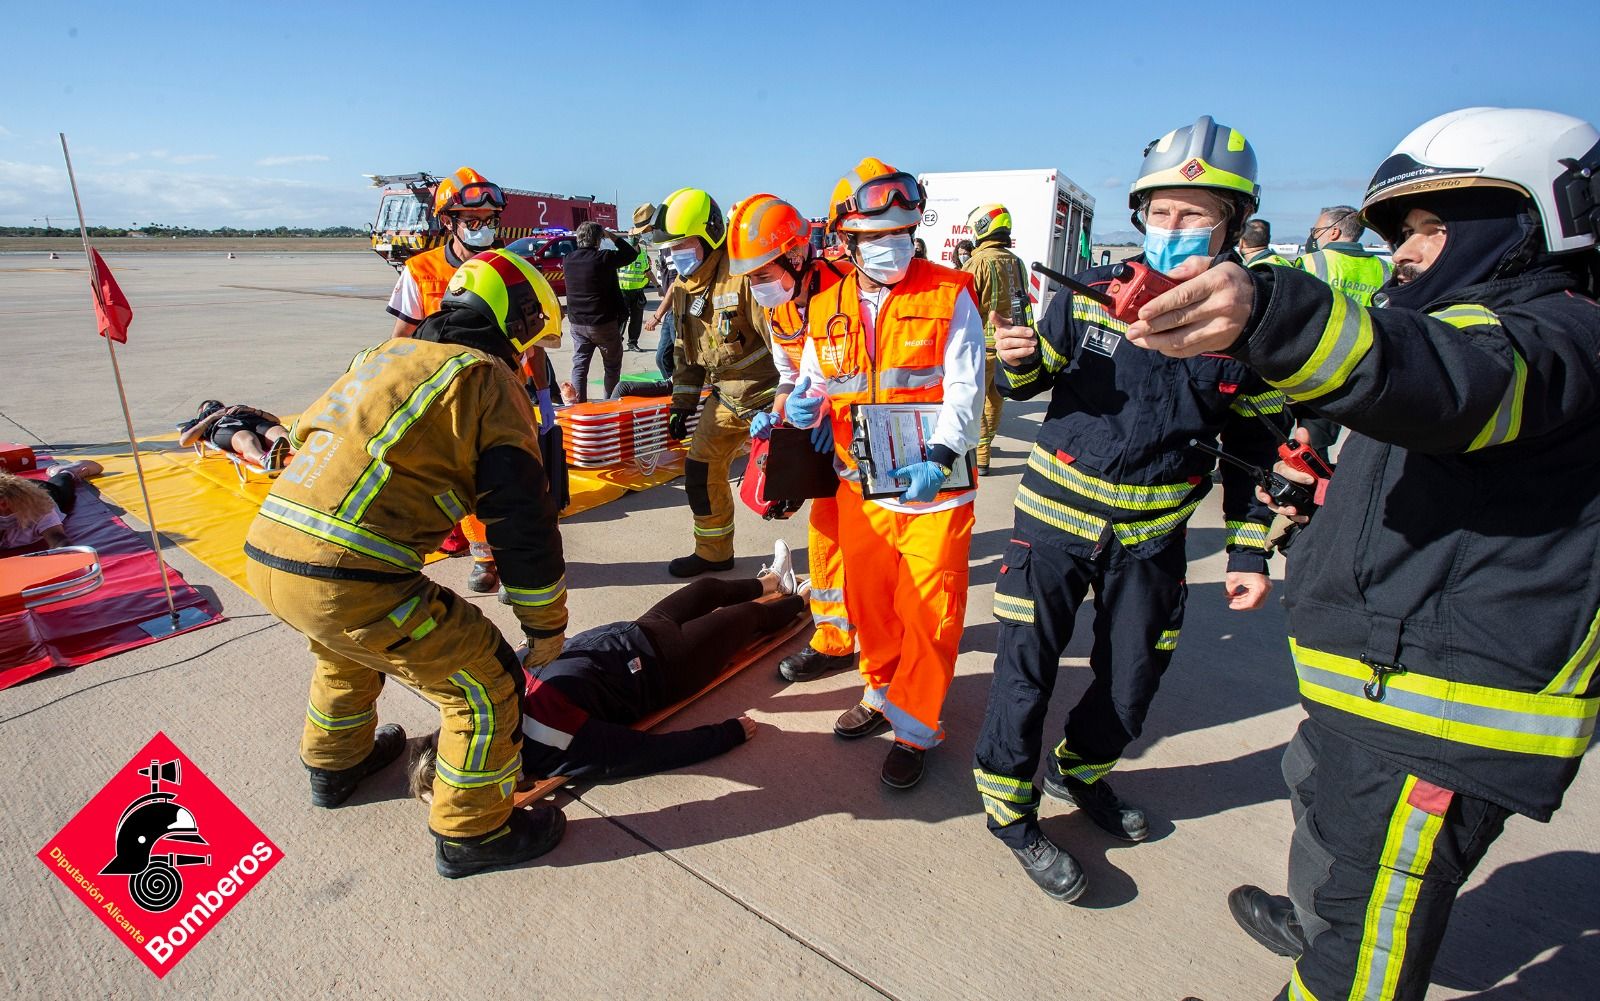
(1109, 488)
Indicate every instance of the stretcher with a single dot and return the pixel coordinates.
(242, 467)
(32, 580)
(540, 788)
(632, 430)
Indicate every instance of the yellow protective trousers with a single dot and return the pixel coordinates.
(993, 404)
(834, 635)
(429, 639)
(907, 595)
(719, 438)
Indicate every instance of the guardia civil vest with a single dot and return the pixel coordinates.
(1348, 268)
(636, 275)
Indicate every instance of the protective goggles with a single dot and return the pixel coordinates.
(479, 195)
(883, 193)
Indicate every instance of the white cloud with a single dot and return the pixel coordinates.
(284, 161)
(5, 133)
(129, 196)
(118, 158)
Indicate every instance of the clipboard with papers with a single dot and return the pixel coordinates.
(888, 436)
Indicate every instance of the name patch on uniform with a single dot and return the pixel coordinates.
(726, 300)
(635, 666)
(1101, 341)
(924, 342)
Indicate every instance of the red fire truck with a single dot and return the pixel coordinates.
(405, 224)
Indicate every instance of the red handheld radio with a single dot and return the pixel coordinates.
(1132, 285)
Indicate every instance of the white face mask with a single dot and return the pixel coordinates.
(686, 259)
(477, 238)
(772, 294)
(886, 260)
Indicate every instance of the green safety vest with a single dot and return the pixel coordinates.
(1354, 272)
(636, 275)
(1269, 257)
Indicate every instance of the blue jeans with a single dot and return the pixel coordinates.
(669, 337)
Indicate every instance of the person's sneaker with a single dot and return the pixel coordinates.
(526, 835)
(330, 788)
(781, 567)
(694, 565)
(78, 469)
(1109, 813)
(277, 455)
(808, 662)
(1051, 869)
(860, 720)
(902, 769)
(485, 577)
(1268, 919)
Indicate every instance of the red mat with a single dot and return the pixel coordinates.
(106, 621)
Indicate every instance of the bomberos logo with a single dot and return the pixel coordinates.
(160, 855)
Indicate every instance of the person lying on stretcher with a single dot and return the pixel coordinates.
(254, 435)
(33, 511)
(577, 711)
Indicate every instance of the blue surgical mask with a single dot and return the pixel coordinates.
(886, 260)
(1165, 249)
(686, 260)
(478, 239)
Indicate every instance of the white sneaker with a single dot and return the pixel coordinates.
(79, 469)
(781, 567)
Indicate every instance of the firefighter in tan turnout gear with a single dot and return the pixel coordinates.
(427, 430)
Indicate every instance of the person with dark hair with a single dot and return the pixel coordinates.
(1255, 246)
(595, 305)
(919, 249)
(254, 435)
(578, 711)
(1442, 600)
(962, 254)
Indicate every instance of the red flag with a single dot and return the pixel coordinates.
(111, 307)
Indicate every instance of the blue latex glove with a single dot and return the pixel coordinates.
(761, 424)
(822, 436)
(803, 411)
(926, 479)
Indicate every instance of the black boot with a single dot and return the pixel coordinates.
(808, 663)
(902, 769)
(694, 565)
(1109, 813)
(527, 835)
(1053, 870)
(330, 788)
(485, 577)
(1268, 919)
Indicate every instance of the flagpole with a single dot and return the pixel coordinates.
(122, 397)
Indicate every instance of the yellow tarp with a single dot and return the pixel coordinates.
(200, 504)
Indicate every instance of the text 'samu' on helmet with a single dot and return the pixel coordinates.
(988, 219)
(467, 189)
(1203, 155)
(502, 287)
(875, 198)
(686, 213)
(1551, 158)
(763, 228)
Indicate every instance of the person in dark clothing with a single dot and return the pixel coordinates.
(595, 304)
(578, 710)
(255, 435)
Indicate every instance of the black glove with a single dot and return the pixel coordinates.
(678, 424)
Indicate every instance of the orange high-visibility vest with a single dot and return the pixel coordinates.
(788, 323)
(912, 332)
(432, 273)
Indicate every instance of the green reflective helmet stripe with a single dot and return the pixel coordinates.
(1197, 173)
(1202, 155)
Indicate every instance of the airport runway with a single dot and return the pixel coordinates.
(784, 869)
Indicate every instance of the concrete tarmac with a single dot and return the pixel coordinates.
(784, 869)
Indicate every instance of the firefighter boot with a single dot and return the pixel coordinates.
(808, 662)
(485, 577)
(1269, 920)
(526, 835)
(1109, 813)
(330, 788)
(1054, 871)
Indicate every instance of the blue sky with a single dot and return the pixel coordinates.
(267, 114)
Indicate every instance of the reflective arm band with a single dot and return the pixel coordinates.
(1506, 422)
(1346, 339)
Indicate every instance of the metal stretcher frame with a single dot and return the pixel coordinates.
(73, 578)
(241, 466)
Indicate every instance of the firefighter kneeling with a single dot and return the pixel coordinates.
(427, 430)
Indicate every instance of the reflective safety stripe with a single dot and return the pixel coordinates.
(1346, 339)
(1315, 264)
(1006, 799)
(1407, 851)
(337, 723)
(536, 597)
(1053, 359)
(451, 505)
(1467, 315)
(473, 779)
(366, 486)
(482, 719)
(836, 621)
(1168, 640)
(1061, 516)
(847, 384)
(1556, 726)
(1506, 422)
(428, 626)
(1246, 533)
(339, 532)
(1016, 379)
(1260, 404)
(1576, 674)
(1129, 497)
(1132, 533)
(1073, 766)
(401, 614)
(749, 359)
(714, 531)
(833, 594)
(911, 378)
(361, 357)
(1013, 609)
(1093, 312)
(1297, 988)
